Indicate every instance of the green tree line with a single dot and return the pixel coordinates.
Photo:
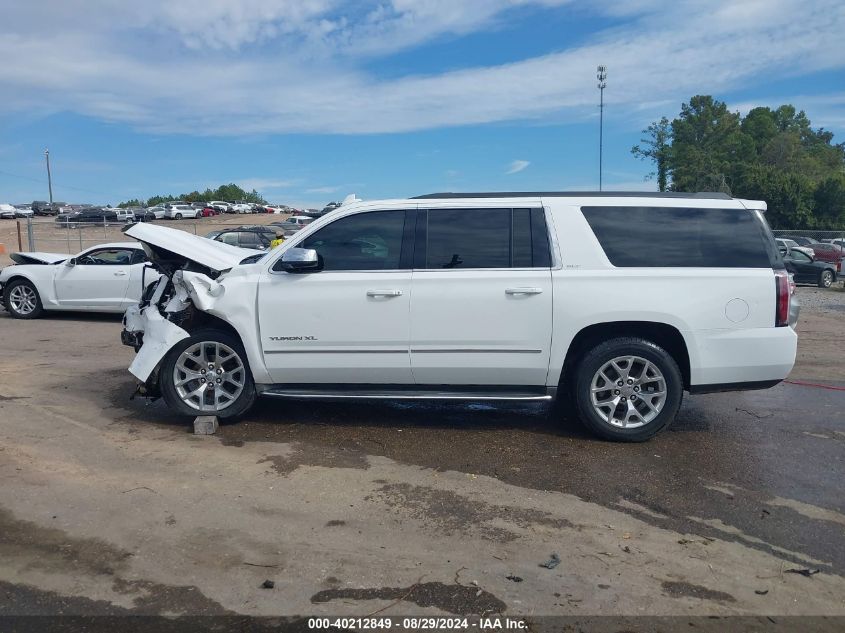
(769, 154)
(228, 193)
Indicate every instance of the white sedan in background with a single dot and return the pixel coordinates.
(104, 278)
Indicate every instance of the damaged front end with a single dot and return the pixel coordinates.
(177, 304)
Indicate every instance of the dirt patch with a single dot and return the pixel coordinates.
(457, 599)
(26, 600)
(678, 589)
(449, 512)
(313, 455)
(54, 550)
(157, 599)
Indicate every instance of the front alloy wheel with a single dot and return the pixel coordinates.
(207, 374)
(22, 300)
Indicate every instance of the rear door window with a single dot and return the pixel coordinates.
(683, 237)
(486, 238)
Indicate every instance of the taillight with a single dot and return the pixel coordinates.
(781, 298)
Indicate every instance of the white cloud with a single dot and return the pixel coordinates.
(331, 189)
(214, 67)
(263, 184)
(517, 166)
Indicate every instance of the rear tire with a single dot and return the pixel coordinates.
(22, 300)
(644, 389)
(207, 374)
(826, 279)
(178, 216)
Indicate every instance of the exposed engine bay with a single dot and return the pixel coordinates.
(182, 300)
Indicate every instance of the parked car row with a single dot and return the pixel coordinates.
(820, 265)
(10, 212)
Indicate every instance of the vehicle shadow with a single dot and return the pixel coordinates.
(289, 419)
(71, 316)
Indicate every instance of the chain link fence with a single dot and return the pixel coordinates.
(821, 236)
(48, 236)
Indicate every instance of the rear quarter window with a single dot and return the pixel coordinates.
(683, 237)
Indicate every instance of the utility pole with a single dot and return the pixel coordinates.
(601, 75)
(49, 177)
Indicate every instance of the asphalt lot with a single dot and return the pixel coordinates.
(111, 506)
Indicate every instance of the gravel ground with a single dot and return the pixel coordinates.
(823, 300)
(110, 506)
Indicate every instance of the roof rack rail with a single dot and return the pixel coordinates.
(707, 195)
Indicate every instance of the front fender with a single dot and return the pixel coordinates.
(160, 335)
(43, 283)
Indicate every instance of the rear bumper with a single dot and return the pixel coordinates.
(733, 386)
(760, 356)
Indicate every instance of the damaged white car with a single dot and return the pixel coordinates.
(103, 278)
(489, 296)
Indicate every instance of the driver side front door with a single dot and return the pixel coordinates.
(98, 279)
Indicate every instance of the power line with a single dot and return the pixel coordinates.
(41, 181)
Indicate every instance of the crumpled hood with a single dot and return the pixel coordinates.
(38, 258)
(208, 253)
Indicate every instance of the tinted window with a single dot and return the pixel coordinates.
(365, 241)
(139, 257)
(678, 237)
(530, 239)
(798, 256)
(111, 256)
(250, 240)
(486, 238)
(469, 238)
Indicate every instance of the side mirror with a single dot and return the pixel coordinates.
(71, 262)
(300, 260)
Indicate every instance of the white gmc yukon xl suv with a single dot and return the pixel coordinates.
(615, 302)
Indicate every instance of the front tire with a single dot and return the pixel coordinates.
(207, 374)
(826, 279)
(627, 389)
(22, 300)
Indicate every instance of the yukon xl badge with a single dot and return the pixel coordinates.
(293, 338)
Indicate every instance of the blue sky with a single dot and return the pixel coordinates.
(310, 100)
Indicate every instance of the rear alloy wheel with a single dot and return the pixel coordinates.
(207, 374)
(178, 216)
(21, 300)
(826, 279)
(627, 389)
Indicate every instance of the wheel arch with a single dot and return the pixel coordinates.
(18, 276)
(666, 336)
(205, 320)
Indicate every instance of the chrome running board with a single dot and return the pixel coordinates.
(403, 394)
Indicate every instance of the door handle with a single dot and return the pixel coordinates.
(384, 293)
(523, 291)
(120, 273)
